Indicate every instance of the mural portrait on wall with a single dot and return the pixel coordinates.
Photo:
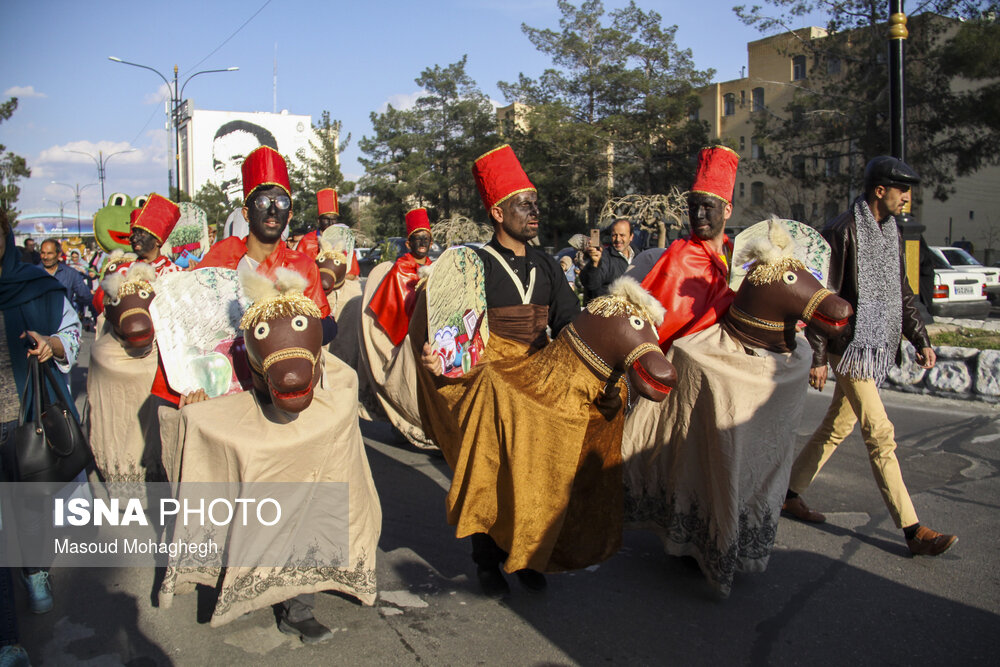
(233, 141)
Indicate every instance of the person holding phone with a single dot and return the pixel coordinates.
(604, 267)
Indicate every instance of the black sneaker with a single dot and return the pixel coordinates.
(533, 580)
(492, 581)
(309, 630)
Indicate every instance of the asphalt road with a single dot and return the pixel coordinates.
(844, 593)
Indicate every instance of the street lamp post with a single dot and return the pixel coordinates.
(176, 94)
(77, 189)
(101, 160)
(62, 206)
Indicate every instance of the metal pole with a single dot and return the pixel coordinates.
(100, 174)
(897, 104)
(78, 209)
(177, 135)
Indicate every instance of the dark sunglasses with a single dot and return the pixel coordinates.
(263, 202)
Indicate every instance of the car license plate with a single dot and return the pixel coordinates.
(968, 290)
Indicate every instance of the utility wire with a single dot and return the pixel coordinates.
(225, 41)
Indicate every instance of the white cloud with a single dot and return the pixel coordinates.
(402, 100)
(23, 91)
(64, 155)
(162, 93)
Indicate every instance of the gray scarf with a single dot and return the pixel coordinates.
(879, 317)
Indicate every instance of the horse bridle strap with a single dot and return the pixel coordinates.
(282, 355)
(334, 276)
(133, 311)
(758, 322)
(813, 304)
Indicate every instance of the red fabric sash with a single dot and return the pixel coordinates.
(393, 301)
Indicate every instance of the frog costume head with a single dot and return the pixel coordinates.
(111, 223)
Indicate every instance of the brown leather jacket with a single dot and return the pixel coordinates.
(842, 235)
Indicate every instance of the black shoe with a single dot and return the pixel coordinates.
(309, 630)
(492, 581)
(533, 580)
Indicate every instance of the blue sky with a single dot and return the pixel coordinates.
(350, 58)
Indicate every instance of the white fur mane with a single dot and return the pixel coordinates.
(627, 288)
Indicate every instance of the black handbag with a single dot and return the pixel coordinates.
(51, 447)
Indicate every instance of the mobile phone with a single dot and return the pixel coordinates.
(595, 238)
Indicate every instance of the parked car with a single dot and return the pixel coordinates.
(960, 259)
(956, 293)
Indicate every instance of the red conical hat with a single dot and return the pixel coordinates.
(716, 173)
(326, 202)
(499, 175)
(417, 219)
(264, 166)
(157, 216)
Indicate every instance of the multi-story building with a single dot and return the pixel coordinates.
(776, 67)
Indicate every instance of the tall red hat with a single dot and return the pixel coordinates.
(157, 216)
(417, 219)
(326, 202)
(716, 173)
(499, 176)
(264, 166)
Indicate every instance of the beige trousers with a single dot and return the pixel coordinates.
(857, 401)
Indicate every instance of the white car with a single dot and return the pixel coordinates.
(957, 293)
(963, 261)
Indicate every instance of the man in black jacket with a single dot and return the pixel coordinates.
(867, 269)
(606, 267)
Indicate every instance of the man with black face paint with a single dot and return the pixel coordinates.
(267, 209)
(393, 301)
(150, 226)
(327, 215)
(691, 279)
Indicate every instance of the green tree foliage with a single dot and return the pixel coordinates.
(13, 168)
(213, 201)
(612, 115)
(319, 170)
(422, 156)
(839, 115)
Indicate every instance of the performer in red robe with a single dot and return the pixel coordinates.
(328, 214)
(267, 208)
(149, 228)
(691, 279)
(393, 301)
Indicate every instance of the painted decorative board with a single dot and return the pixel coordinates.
(812, 249)
(342, 235)
(457, 323)
(196, 316)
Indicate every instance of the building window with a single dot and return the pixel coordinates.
(798, 68)
(743, 189)
(799, 166)
(743, 143)
(833, 65)
(758, 99)
(833, 166)
(756, 150)
(798, 212)
(693, 116)
(728, 104)
(757, 193)
(743, 98)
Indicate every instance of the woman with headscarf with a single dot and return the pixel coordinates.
(33, 305)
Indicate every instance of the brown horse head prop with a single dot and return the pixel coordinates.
(126, 302)
(333, 265)
(616, 336)
(283, 337)
(777, 293)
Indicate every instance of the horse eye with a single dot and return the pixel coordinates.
(636, 322)
(300, 322)
(789, 277)
(114, 300)
(261, 330)
(143, 294)
(336, 262)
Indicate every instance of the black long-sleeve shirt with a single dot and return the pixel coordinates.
(551, 288)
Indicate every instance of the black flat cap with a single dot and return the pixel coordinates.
(887, 170)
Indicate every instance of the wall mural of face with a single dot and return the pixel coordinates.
(707, 215)
(419, 244)
(265, 215)
(233, 142)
